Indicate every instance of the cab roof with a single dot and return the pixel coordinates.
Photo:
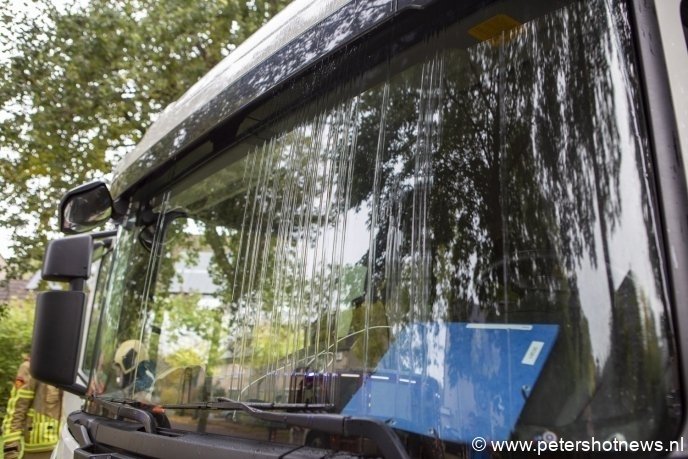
(303, 33)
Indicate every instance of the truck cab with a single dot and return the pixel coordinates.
(391, 228)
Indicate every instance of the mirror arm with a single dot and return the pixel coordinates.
(77, 285)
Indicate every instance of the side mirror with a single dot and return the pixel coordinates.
(68, 260)
(85, 207)
(60, 314)
(57, 337)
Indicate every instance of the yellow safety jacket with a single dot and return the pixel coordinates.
(32, 422)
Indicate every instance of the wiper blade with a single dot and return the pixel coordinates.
(376, 430)
(263, 406)
(150, 416)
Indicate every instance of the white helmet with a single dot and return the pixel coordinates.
(128, 354)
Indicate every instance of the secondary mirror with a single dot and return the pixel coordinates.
(68, 260)
(85, 207)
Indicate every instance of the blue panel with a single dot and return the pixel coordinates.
(456, 381)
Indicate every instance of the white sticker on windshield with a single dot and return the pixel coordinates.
(532, 353)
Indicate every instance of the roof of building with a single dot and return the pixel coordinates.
(13, 288)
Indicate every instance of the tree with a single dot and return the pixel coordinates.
(80, 85)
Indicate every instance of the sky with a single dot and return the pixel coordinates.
(4, 243)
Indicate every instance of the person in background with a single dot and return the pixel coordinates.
(132, 374)
(135, 374)
(31, 426)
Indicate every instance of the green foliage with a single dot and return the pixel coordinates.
(186, 317)
(271, 343)
(79, 85)
(15, 341)
(186, 357)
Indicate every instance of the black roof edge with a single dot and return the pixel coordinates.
(324, 38)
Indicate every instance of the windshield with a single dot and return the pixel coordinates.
(460, 241)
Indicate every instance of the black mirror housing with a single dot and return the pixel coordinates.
(68, 259)
(56, 339)
(85, 207)
(59, 320)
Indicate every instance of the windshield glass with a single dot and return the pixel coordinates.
(461, 241)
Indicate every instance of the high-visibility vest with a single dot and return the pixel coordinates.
(32, 421)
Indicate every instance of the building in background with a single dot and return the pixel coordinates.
(15, 288)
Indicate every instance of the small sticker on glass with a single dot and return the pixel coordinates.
(533, 353)
(493, 27)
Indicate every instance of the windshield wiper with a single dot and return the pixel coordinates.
(223, 404)
(374, 429)
(150, 416)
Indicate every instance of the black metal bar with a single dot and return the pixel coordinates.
(384, 437)
(671, 181)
